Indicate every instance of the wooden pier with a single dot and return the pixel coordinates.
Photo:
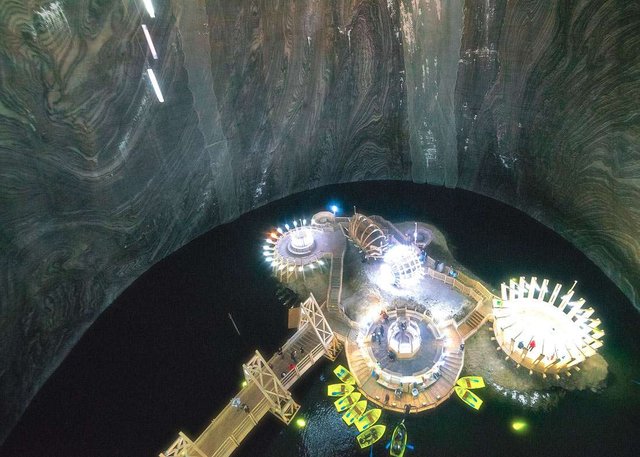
(267, 389)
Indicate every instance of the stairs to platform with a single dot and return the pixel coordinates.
(335, 283)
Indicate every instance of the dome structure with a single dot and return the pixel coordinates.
(405, 263)
(302, 241)
(546, 334)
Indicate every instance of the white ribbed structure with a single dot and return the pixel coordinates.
(367, 235)
(546, 333)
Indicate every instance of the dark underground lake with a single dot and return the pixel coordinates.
(165, 357)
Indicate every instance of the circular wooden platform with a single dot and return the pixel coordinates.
(382, 385)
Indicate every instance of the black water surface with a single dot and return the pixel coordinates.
(165, 357)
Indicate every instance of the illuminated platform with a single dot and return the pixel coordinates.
(422, 380)
(546, 335)
(299, 249)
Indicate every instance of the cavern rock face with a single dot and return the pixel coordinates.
(531, 102)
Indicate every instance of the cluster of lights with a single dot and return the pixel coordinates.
(401, 265)
(269, 247)
(277, 262)
(152, 76)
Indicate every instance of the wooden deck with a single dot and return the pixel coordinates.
(361, 367)
(474, 290)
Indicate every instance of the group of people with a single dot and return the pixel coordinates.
(237, 403)
(530, 346)
(294, 358)
(378, 334)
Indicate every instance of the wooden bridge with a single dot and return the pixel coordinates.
(267, 388)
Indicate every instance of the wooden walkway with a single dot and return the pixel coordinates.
(267, 389)
(472, 289)
(334, 294)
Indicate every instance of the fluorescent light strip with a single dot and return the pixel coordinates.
(149, 42)
(154, 83)
(149, 6)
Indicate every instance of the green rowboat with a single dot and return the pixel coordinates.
(368, 419)
(398, 441)
(370, 436)
(339, 390)
(344, 375)
(471, 382)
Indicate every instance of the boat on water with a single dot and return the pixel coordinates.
(344, 375)
(398, 441)
(370, 436)
(339, 390)
(368, 419)
(344, 403)
(354, 412)
(471, 382)
(468, 397)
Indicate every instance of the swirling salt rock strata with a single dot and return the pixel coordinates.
(530, 102)
(548, 119)
(98, 181)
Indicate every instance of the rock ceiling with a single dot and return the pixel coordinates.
(531, 102)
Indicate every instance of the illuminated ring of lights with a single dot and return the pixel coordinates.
(290, 254)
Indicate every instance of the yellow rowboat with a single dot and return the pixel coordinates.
(370, 436)
(471, 382)
(354, 412)
(368, 419)
(344, 375)
(468, 397)
(344, 403)
(339, 390)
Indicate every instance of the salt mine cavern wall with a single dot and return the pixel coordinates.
(531, 102)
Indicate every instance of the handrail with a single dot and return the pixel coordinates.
(302, 366)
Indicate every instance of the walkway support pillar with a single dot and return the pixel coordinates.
(310, 313)
(181, 447)
(257, 371)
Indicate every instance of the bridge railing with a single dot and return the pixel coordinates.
(303, 365)
(233, 440)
